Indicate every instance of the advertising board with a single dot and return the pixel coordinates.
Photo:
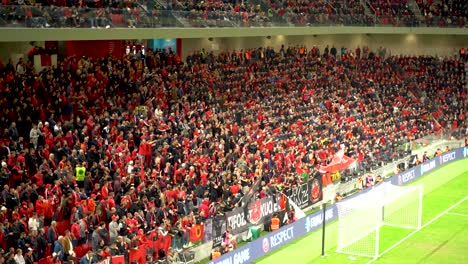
(258, 248)
(280, 237)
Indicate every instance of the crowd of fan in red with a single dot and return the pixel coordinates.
(166, 143)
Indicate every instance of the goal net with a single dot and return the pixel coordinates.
(361, 217)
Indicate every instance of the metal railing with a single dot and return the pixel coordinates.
(452, 138)
(142, 17)
(404, 154)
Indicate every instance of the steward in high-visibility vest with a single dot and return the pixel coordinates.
(80, 172)
(215, 254)
(275, 223)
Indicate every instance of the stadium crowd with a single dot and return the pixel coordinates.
(393, 12)
(150, 13)
(444, 13)
(222, 13)
(120, 147)
(322, 12)
(94, 14)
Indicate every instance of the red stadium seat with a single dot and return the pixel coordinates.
(63, 226)
(117, 19)
(81, 250)
(42, 261)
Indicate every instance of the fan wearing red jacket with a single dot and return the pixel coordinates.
(105, 190)
(132, 224)
(75, 233)
(40, 205)
(145, 151)
(204, 208)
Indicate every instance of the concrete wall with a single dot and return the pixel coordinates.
(27, 34)
(7, 49)
(442, 45)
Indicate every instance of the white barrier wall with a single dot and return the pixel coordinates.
(39, 64)
(9, 48)
(442, 45)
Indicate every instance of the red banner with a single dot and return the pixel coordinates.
(197, 233)
(106, 261)
(154, 242)
(339, 162)
(137, 255)
(118, 260)
(94, 48)
(63, 226)
(46, 60)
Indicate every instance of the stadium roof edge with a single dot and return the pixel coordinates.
(43, 34)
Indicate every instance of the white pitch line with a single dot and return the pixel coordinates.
(415, 231)
(458, 214)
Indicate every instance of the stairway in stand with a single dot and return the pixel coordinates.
(413, 6)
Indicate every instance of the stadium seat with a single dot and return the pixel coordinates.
(118, 19)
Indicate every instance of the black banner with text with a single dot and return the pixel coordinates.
(307, 193)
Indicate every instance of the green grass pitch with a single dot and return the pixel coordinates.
(442, 239)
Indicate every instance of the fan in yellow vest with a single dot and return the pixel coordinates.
(275, 223)
(80, 172)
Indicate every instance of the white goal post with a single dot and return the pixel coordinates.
(360, 218)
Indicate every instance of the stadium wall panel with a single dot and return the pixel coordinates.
(27, 34)
(405, 44)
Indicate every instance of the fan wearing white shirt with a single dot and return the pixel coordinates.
(33, 222)
(19, 259)
(34, 135)
(130, 167)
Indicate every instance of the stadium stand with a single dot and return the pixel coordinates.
(444, 13)
(394, 12)
(322, 12)
(165, 143)
(218, 13)
(221, 13)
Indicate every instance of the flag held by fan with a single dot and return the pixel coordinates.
(197, 232)
(339, 162)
